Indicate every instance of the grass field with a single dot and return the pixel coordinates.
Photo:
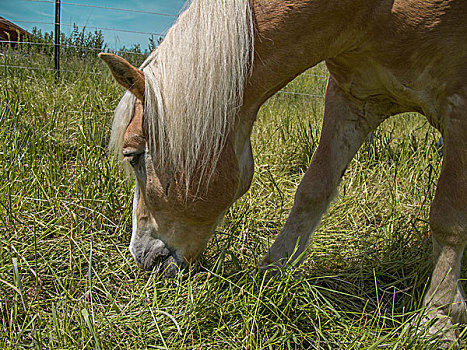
(68, 281)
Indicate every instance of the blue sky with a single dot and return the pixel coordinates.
(22, 12)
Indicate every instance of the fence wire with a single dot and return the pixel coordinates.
(100, 73)
(50, 69)
(92, 27)
(303, 94)
(300, 94)
(110, 8)
(105, 8)
(68, 46)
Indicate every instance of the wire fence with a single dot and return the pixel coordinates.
(49, 69)
(91, 27)
(104, 7)
(14, 44)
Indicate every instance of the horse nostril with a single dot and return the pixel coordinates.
(155, 254)
(160, 249)
(152, 253)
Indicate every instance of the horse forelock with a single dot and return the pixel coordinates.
(194, 85)
(122, 117)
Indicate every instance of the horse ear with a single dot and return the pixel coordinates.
(129, 77)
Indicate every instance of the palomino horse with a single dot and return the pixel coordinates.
(185, 121)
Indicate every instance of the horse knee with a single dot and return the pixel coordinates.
(448, 223)
(314, 194)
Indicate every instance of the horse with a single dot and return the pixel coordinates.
(185, 121)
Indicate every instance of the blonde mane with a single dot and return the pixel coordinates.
(194, 86)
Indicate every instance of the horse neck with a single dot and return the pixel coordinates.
(294, 35)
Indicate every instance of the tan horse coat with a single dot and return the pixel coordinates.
(385, 57)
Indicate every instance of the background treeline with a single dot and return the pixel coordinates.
(79, 44)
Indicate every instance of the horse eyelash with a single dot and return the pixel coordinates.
(167, 187)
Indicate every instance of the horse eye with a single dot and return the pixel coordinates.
(132, 156)
(135, 159)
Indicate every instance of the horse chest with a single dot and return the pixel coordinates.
(388, 91)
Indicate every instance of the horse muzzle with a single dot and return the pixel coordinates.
(156, 255)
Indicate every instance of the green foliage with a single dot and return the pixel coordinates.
(79, 44)
(153, 43)
(68, 281)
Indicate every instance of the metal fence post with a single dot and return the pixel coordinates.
(57, 39)
(5, 53)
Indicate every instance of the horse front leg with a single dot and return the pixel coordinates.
(445, 299)
(346, 124)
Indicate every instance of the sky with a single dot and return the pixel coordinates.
(41, 14)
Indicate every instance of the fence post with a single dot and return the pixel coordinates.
(5, 53)
(57, 39)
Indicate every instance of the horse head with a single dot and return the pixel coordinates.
(172, 218)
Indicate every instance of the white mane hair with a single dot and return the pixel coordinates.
(194, 86)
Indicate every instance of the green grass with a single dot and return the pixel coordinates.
(68, 281)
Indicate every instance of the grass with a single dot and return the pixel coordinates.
(67, 280)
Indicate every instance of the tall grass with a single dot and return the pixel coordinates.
(67, 280)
